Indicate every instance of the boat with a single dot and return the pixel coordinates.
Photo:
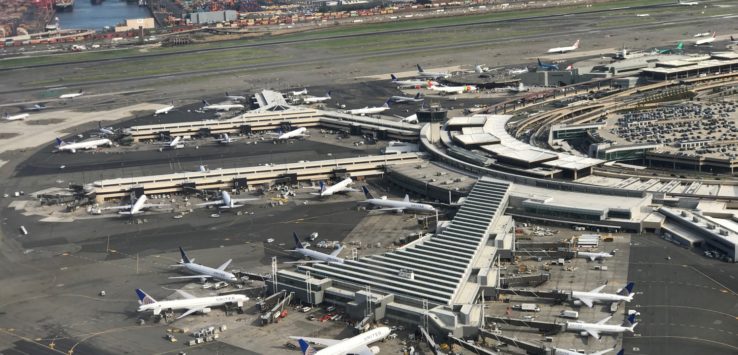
(64, 5)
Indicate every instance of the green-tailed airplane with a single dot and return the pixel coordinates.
(679, 48)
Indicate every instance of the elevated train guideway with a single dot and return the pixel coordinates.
(247, 177)
(285, 117)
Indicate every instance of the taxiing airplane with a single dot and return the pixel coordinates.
(225, 139)
(433, 75)
(300, 93)
(679, 48)
(35, 108)
(203, 272)
(573, 47)
(385, 204)
(62, 146)
(164, 110)
(226, 202)
(594, 329)
(706, 41)
(339, 187)
(357, 345)
(558, 351)
(300, 132)
(137, 207)
(221, 107)
(592, 256)
(547, 66)
(370, 110)
(18, 117)
(72, 95)
(519, 70)
(317, 99)
(411, 83)
(234, 97)
(191, 303)
(597, 296)
(405, 99)
(452, 89)
(314, 255)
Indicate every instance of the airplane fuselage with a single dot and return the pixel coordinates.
(18, 117)
(337, 187)
(401, 205)
(198, 269)
(368, 110)
(599, 328)
(599, 297)
(361, 340)
(202, 302)
(93, 144)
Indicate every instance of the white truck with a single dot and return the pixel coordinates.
(527, 307)
(569, 314)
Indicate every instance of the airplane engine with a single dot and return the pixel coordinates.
(374, 349)
(203, 280)
(205, 310)
(157, 311)
(577, 303)
(584, 333)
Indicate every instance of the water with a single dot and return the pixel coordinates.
(96, 17)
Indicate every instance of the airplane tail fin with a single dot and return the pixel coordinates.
(322, 186)
(407, 198)
(306, 348)
(621, 352)
(205, 102)
(298, 244)
(227, 94)
(420, 69)
(478, 69)
(576, 44)
(630, 322)
(144, 298)
(714, 34)
(328, 94)
(627, 290)
(387, 103)
(367, 194)
(417, 96)
(394, 78)
(59, 142)
(732, 39)
(680, 45)
(185, 259)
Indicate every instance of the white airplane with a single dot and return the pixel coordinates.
(300, 93)
(405, 99)
(317, 99)
(411, 83)
(225, 139)
(558, 351)
(203, 272)
(519, 88)
(35, 107)
(594, 329)
(705, 41)
(226, 202)
(234, 97)
(433, 75)
(163, 110)
(18, 117)
(339, 187)
(411, 119)
(137, 207)
(62, 146)
(687, 3)
(221, 107)
(396, 206)
(175, 143)
(452, 89)
(592, 256)
(78, 48)
(701, 34)
(370, 110)
(300, 132)
(596, 296)
(573, 47)
(357, 345)
(73, 95)
(517, 71)
(314, 255)
(105, 131)
(191, 303)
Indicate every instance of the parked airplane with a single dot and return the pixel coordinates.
(234, 97)
(592, 256)
(395, 205)
(355, 345)
(314, 255)
(546, 66)
(203, 272)
(163, 110)
(573, 47)
(411, 119)
(594, 329)
(225, 139)
(221, 107)
(597, 296)
(370, 110)
(480, 69)
(35, 108)
(558, 351)
(339, 187)
(191, 303)
(137, 207)
(678, 48)
(705, 41)
(300, 132)
(317, 99)
(519, 88)
(18, 117)
(412, 83)
(72, 95)
(518, 71)
(62, 146)
(300, 93)
(687, 3)
(405, 99)
(452, 89)
(172, 144)
(433, 75)
(226, 202)
(104, 131)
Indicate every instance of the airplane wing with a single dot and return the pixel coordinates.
(321, 341)
(185, 294)
(225, 265)
(593, 333)
(592, 258)
(189, 311)
(211, 203)
(191, 277)
(348, 189)
(362, 350)
(236, 200)
(305, 262)
(603, 321)
(394, 209)
(598, 289)
(156, 205)
(337, 251)
(587, 301)
(117, 207)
